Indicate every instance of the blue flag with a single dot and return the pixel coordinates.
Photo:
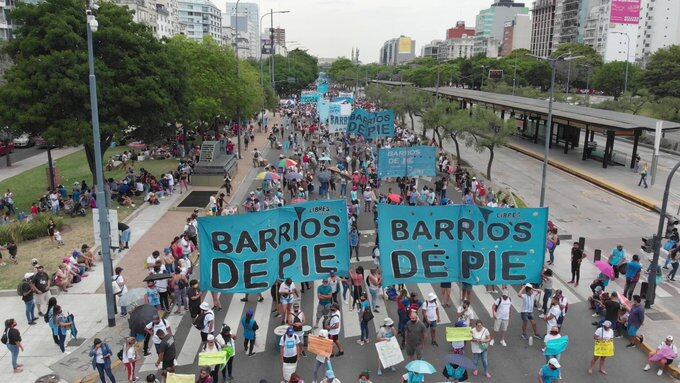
(415, 161)
(371, 125)
(557, 346)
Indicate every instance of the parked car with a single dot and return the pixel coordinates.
(23, 141)
(40, 142)
(6, 147)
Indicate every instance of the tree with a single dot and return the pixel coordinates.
(434, 118)
(293, 72)
(47, 92)
(577, 67)
(627, 103)
(610, 78)
(662, 75)
(489, 131)
(455, 125)
(340, 68)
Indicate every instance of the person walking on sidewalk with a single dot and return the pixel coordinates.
(635, 320)
(643, 175)
(130, 358)
(577, 256)
(26, 291)
(101, 360)
(11, 337)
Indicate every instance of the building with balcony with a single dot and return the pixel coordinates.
(202, 19)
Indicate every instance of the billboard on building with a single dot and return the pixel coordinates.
(625, 12)
(405, 44)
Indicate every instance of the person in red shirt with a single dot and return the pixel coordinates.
(34, 210)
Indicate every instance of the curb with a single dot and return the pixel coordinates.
(591, 179)
(671, 369)
(94, 378)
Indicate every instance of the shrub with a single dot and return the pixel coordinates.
(26, 231)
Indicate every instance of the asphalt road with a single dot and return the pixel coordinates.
(20, 154)
(518, 362)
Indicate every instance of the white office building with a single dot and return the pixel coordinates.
(248, 27)
(613, 38)
(659, 27)
(202, 18)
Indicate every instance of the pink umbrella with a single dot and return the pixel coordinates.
(624, 301)
(297, 200)
(605, 268)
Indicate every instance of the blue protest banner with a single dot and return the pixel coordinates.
(415, 161)
(371, 125)
(338, 117)
(323, 109)
(247, 253)
(322, 88)
(309, 97)
(461, 243)
(556, 346)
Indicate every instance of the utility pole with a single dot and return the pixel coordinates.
(238, 82)
(514, 78)
(271, 36)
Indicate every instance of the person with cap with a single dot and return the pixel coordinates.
(325, 295)
(41, 288)
(528, 296)
(151, 329)
(333, 327)
(225, 339)
(101, 360)
(431, 315)
(26, 289)
(616, 258)
(602, 334)
(412, 377)
(501, 314)
(166, 352)
(550, 372)
(212, 346)
(385, 333)
(250, 327)
(208, 317)
(297, 320)
(290, 351)
(320, 361)
(664, 356)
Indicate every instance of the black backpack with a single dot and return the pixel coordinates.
(5, 337)
(198, 321)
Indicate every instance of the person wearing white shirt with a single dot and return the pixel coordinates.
(208, 321)
(602, 334)
(287, 292)
(553, 313)
(290, 351)
(553, 334)
(431, 315)
(664, 355)
(501, 314)
(130, 358)
(225, 341)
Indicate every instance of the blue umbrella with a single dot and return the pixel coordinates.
(420, 367)
(460, 360)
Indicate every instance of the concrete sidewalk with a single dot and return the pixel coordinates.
(620, 180)
(35, 161)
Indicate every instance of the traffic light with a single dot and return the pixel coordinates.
(647, 244)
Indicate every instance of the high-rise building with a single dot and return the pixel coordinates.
(176, 28)
(431, 50)
(249, 33)
(612, 29)
(397, 51)
(460, 30)
(542, 27)
(280, 36)
(659, 27)
(490, 25)
(163, 23)
(143, 12)
(516, 34)
(583, 13)
(6, 25)
(202, 18)
(566, 22)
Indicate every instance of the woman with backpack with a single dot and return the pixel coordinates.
(60, 321)
(11, 337)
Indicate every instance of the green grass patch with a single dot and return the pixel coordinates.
(32, 184)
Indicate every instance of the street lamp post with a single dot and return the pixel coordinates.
(104, 231)
(625, 80)
(238, 82)
(271, 44)
(514, 78)
(548, 126)
(482, 83)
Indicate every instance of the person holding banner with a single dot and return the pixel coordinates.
(226, 341)
(385, 333)
(604, 346)
(320, 361)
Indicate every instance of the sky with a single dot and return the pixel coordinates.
(330, 28)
